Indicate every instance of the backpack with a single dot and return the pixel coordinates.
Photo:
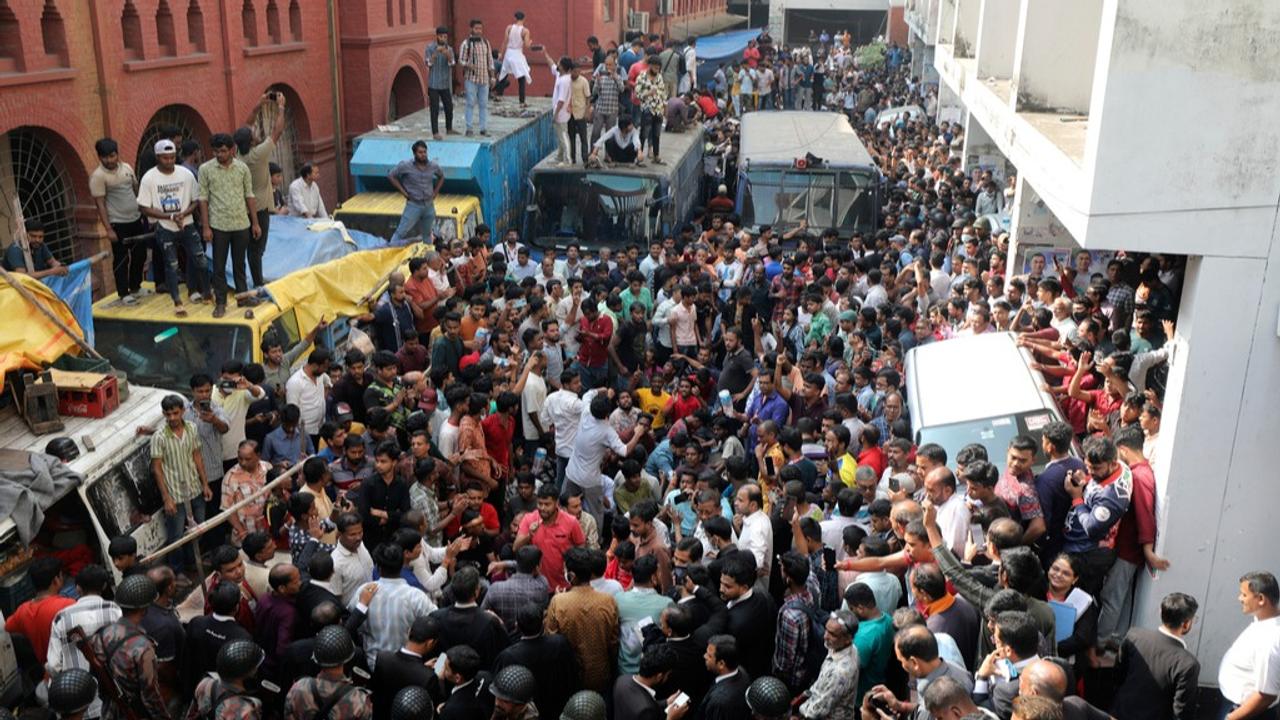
(815, 650)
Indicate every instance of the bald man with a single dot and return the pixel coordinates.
(1047, 678)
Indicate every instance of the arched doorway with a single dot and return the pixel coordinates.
(296, 130)
(406, 94)
(182, 117)
(34, 173)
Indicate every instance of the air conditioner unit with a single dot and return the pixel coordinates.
(638, 21)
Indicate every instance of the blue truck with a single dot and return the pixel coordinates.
(484, 174)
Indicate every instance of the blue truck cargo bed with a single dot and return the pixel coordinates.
(493, 168)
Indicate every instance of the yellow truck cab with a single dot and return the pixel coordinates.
(155, 347)
(378, 213)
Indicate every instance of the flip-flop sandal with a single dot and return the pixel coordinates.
(180, 311)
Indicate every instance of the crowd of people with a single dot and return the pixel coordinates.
(676, 480)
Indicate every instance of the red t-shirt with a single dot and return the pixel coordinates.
(499, 429)
(873, 458)
(34, 619)
(487, 513)
(679, 408)
(752, 56)
(591, 351)
(708, 105)
(1138, 526)
(553, 539)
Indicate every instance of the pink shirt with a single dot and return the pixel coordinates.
(683, 321)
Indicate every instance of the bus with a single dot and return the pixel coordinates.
(809, 166)
(615, 206)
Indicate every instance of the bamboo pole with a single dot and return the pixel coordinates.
(198, 531)
(26, 295)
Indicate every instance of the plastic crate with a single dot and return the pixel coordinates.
(98, 402)
(15, 589)
(73, 363)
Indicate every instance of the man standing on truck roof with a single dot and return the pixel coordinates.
(419, 182)
(178, 468)
(514, 63)
(440, 62)
(257, 155)
(476, 58)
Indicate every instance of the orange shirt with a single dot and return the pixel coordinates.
(424, 293)
(467, 329)
(34, 619)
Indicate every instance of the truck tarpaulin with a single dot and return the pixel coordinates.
(28, 338)
(337, 287)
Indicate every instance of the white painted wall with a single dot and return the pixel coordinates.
(997, 38)
(1058, 50)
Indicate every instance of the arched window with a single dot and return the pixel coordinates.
(45, 192)
(166, 37)
(273, 22)
(131, 27)
(195, 26)
(249, 23)
(11, 59)
(295, 21)
(53, 34)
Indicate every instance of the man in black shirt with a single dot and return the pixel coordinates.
(406, 666)
(738, 369)
(207, 633)
(383, 497)
(464, 623)
(752, 615)
(549, 656)
(626, 349)
(350, 388)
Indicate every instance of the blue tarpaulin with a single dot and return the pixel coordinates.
(725, 48)
(76, 290)
(293, 245)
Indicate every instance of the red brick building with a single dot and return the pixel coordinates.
(563, 26)
(74, 71)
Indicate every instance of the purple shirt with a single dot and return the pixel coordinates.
(274, 619)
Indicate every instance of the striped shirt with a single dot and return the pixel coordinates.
(476, 58)
(391, 613)
(176, 455)
(608, 89)
(440, 74)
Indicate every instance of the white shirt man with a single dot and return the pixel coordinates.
(563, 411)
(953, 521)
(1252, 663)
(305, 200)
(308, 394)
(351, 570)
(532, 400)
(757, 538)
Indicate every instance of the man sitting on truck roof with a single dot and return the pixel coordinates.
(621, 144)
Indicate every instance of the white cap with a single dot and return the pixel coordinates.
(165, 146)
(723, 189)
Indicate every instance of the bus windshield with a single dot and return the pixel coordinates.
(594, 209)
(840, 199)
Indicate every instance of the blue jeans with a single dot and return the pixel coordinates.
(789, 98)
(592, 377)
(197, 263)
(419, 217)
(477, 97)
(175, 525)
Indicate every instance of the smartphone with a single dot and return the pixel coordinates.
(680, 497)
(768, 466)
(537, 47)
(680, 700)
(227, 385)
(204, 405)
(829, 558)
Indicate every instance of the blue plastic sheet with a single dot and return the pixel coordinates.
(76, 290)
(724, 48)
(292, 246)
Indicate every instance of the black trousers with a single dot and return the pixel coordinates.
(650, 132)
(505, 82)
(129, 258)
(259, 247)
(439, 98)
(619, 154)
(578, 136)
(237, 242)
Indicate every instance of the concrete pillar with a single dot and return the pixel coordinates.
(1215, 489)
(950, 109)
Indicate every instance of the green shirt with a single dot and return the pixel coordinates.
(176, 455)
(644, 298)
(874, 641)
(625, 498)
(225, 189)
(819, 329)
(259, 161)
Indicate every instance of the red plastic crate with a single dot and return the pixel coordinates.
(97, 402)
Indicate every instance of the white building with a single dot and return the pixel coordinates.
(1151, 125)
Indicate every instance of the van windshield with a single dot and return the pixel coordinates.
(993, 433)
(164, 354)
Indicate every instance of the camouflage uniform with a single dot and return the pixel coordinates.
(309, 693)
(212, 694)
(133, 667)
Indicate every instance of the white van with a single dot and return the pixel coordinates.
(977, 389)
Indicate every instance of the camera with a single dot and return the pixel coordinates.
(227, 385)
(272, 95)
(204, 405)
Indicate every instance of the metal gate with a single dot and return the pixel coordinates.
(32, 169)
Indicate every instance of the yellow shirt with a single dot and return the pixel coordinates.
(655, 404)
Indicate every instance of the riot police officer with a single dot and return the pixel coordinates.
(71, 692)
(330, 694)
(227, 696)
(513, 689)
(768, 698)
(124, 658)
